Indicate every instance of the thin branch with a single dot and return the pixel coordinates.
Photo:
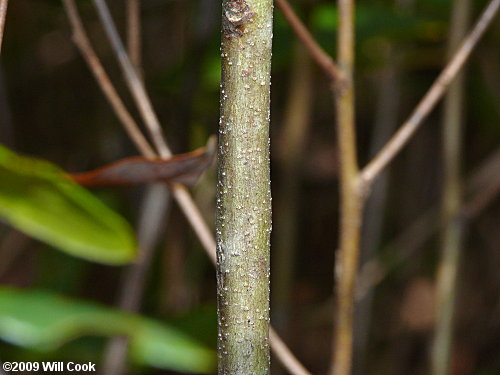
(317, 53)
(82, 42)
(155, 207)
(134, 33)
(133, 81)
(373, 272)
(453, 230)
(483, 188)
(350, 197)
(3, 14)
(437, 90)
(135, 277)
(204, 233)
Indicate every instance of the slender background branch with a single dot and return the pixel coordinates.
(155, 208)
(133, 80)
(87, 51)
(311, 45)
(483, 187)
(428, 102)
(451, 200)
(350, 198)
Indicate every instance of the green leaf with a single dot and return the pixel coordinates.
(39, 199)
(44, 321)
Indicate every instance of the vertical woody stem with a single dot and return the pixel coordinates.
(451, 200)
(350, 196)
(243, 223)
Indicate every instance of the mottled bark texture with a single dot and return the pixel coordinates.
(243, 190)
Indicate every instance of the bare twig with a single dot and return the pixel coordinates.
(317, 53)
(350, 197)
(3, 14)
(133, 80)
(134, 33)
(452, 234)
(184, 198)
(155, 207)
(437, 90)
(483, 187)
(82, 42)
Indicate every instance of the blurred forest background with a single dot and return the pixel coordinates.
(51, 108)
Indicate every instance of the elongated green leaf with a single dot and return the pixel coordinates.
(39, 199)
(44, 321)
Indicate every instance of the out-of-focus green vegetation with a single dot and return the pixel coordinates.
(45, 321)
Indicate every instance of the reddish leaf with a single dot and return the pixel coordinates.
(182, 168)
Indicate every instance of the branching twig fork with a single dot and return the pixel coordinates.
(85, 47)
